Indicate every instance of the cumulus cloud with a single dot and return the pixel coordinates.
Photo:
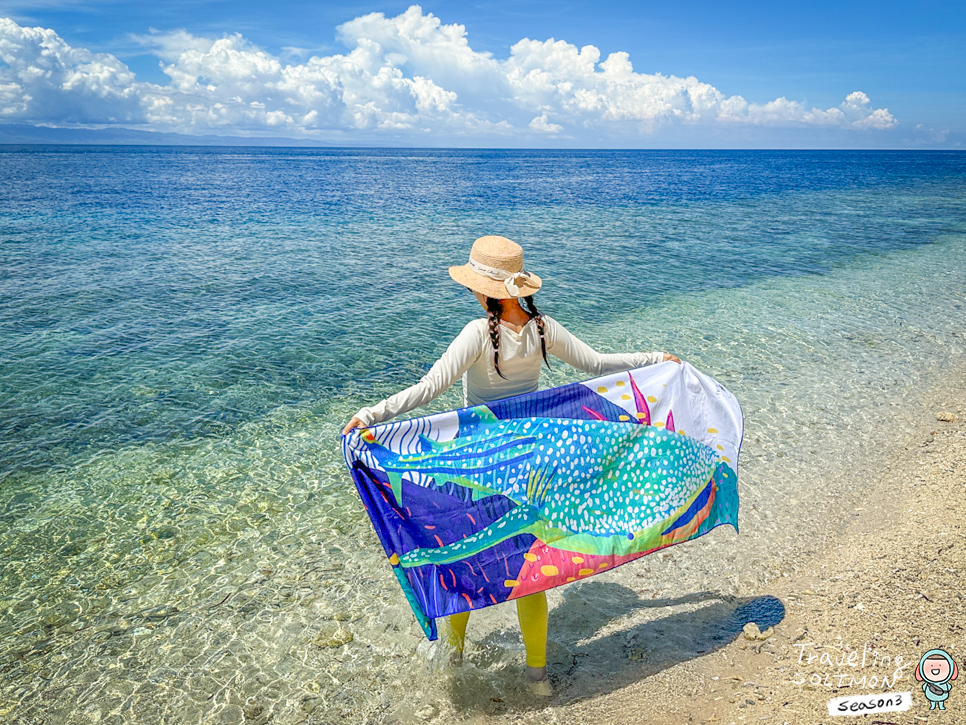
(47, 81)
(855, 112)
(400, 76)
(540, 123)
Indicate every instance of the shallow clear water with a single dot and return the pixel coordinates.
(183, 332)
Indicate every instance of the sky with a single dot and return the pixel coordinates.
(565, 74)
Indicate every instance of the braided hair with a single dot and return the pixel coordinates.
(535, 315)
(493, 310)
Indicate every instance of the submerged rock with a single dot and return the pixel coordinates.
(72, 549)
(331, 638)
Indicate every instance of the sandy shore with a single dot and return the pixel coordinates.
(887, 588)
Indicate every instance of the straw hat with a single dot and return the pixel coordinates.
(495, 269)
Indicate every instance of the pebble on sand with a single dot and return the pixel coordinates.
(753, 634)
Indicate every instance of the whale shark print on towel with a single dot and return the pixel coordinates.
(490, 503)
(566, 477)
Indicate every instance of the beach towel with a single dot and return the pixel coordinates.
(493, 502)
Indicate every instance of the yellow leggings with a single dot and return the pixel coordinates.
(532, 612)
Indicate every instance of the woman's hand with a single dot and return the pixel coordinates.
(669, 356)
(354, 423)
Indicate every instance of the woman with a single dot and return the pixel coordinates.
(499, 357)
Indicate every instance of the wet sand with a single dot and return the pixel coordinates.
(888, 588)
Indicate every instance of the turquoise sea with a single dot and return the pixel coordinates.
(185, 331)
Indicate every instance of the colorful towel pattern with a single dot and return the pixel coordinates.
(493, 502)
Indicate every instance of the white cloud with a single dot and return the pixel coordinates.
(48, 81)
(930, 135)
(540, 123)
(858, 110)
(401, 75)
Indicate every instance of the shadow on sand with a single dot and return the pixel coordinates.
(582, 665)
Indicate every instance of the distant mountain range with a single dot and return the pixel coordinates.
(23, 134)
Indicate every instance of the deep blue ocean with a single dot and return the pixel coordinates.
(184, 331)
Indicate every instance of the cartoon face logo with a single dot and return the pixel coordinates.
(936, 670)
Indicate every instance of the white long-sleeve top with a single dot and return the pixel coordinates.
(470, 355)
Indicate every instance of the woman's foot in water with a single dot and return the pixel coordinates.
(440, 655)
(454, 657)
(538, 682)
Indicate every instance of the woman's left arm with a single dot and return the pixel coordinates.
(576, 352)
(459, 356)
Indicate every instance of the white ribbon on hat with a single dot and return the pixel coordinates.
(511, 283)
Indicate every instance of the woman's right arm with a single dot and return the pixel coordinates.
(582, 356)
(459, 356)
